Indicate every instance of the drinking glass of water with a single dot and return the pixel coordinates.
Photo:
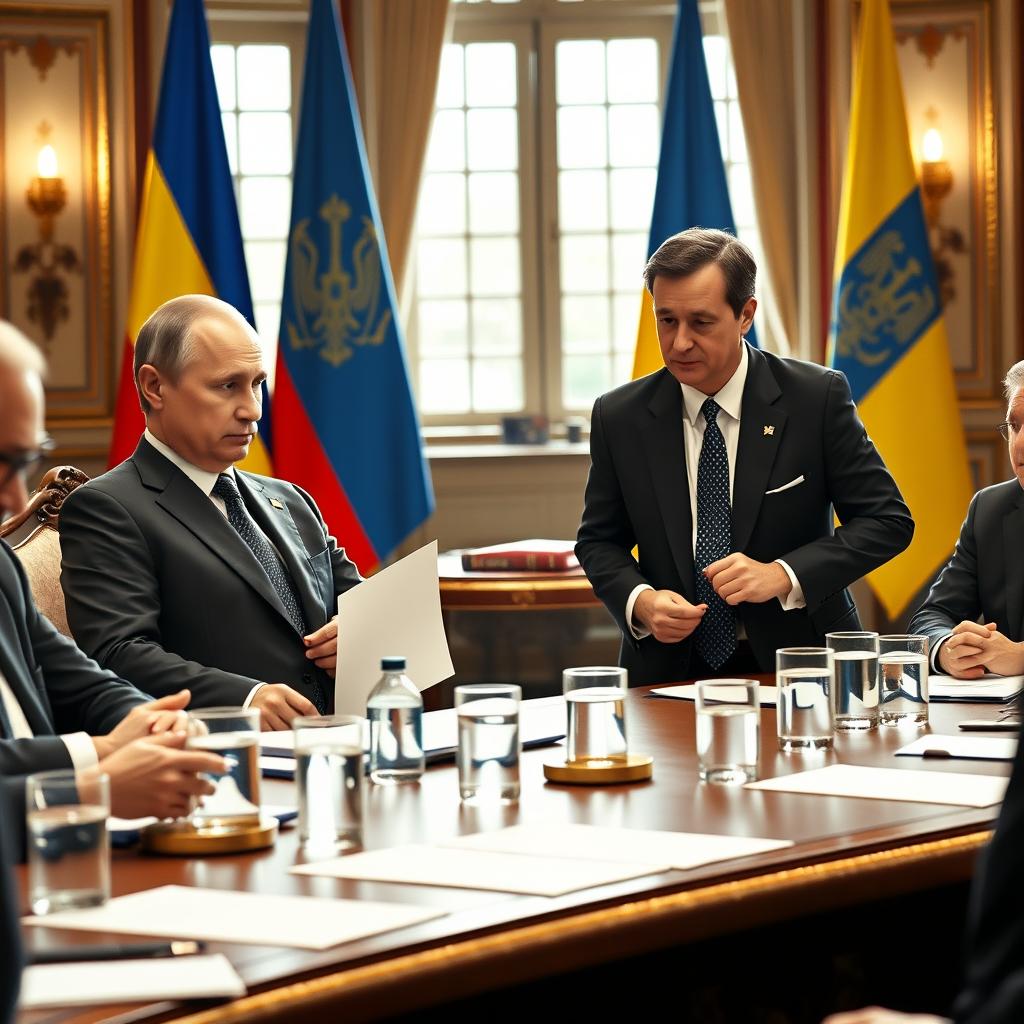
(234, 733)
(595, 699)
(903, 679)
(329, 773)
(488, 751)
(804, 680)
(68, 845)
(856, 689)
(728, 730)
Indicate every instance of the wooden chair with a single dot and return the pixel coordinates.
(33, 533)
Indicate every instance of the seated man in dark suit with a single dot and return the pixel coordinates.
(179, 569)
(59, 709)
(10, 933)
(985, 577)
(730, 499)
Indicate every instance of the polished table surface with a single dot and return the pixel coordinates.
(845, 849)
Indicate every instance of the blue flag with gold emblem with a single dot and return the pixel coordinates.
(346, 427)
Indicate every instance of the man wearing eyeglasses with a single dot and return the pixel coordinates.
(984, 580)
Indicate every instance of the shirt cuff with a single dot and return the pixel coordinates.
(638, 632)
(934, 656)
(81, 749)
(252, 693)
(795, 598)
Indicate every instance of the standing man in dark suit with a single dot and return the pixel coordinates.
(725, 468)
(180, 570)
(985, 577)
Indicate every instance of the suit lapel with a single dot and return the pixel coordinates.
(761, 428)
(663, 441)
(1013, 554)
(180, 498)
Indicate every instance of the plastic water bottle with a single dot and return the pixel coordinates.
(395, 711)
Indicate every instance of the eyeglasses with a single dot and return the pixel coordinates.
(24, 462)
(1009, 431)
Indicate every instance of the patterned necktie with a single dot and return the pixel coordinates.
(716, 635)
(238, 516)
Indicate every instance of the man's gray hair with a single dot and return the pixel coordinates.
(165, 340)
(1014, 380)
(18, 353)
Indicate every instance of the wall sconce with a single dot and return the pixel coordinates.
(936, 184)
(47, 294)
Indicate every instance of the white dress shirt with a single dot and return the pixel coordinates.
(81, 749)
(205, 481)
(730, 401)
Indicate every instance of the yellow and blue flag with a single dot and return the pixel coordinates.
(188, 239)
(691, 190)
(887, 333)
(346, 427)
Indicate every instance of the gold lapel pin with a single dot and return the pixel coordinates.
(769, 431)
(276, 503)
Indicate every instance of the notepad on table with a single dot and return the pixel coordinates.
(688, 691)
(987, 690)
(971, 748)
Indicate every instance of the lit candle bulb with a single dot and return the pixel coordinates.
(931, 147)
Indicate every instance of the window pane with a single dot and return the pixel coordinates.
(622, 367)
(722, 124)
(579, 70)
(268, 323)
(265, 143)
(498, 327)
(633, 198)
(626, 319)
(264, 78)
(737, 142)
(442, 206)
(491, 75)
(632, 71)
(629, 256)
(266, 207)
(582, 200)
(582, 137)
(230, 123)
(741, 194)
(584, 263)
(493, 203)
(716, 56)
(447, 149)
(265, 261)
(493, 145)
(450, 91)
(494, 266)
(441, 267)
(443, 328)
(497, 385)
(584, 324)
(583, 379)
(223, 58)
(444, 385)
(634, 132)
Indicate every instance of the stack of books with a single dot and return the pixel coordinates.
(522, 556)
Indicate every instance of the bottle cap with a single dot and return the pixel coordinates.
(392, 663)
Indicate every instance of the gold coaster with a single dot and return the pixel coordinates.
(179, 837)
(635, 768)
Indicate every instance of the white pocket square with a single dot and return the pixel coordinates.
(785, 487)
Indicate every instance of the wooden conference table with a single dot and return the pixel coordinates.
(846, 851)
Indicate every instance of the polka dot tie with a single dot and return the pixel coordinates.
(238, 516)
(716, 635)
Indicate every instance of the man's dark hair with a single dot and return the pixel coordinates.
(686, 253)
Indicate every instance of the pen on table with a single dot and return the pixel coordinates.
(133, 951)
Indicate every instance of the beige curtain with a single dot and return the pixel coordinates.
(764, 50)
(407, 36)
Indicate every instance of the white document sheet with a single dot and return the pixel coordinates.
(478, 869)
(976, 748)
(44, 986)
(688, 691)
(631, 846)
(397, 611)
(988, 688)
(218, 915)
(891, 784)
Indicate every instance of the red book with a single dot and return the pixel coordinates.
(523, 556)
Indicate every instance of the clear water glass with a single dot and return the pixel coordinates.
(728, 730)
(595, 701)
(903, 679)
(804, 678)
(234, 734)
(489, 743)
(856, 688)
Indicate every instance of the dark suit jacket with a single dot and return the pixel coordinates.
(985, 576)
(637, 494)
(10, 936)
(162, 590)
